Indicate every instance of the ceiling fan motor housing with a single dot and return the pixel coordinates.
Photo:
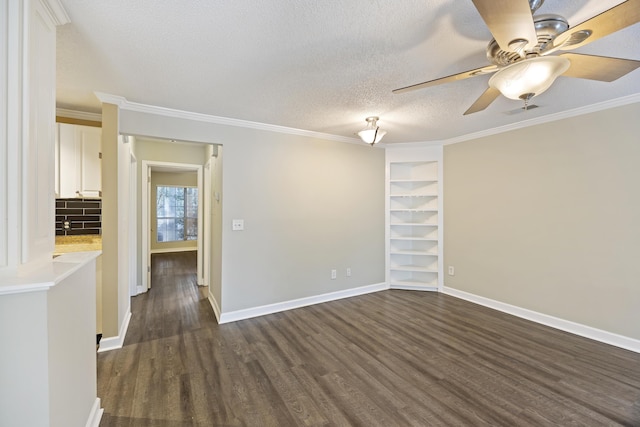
(547, 26)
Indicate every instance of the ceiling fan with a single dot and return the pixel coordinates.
(521, 50)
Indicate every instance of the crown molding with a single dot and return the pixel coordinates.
(78, 115)
(55, 12)
(106, 98)
(418, 144)
(124, 104)
(618, 102)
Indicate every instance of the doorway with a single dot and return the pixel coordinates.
(149, 234)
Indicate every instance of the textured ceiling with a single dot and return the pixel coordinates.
(315, 65)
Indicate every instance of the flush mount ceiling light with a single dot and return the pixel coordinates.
(372, 134)
(529, 77)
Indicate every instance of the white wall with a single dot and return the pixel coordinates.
(546, 218)
(24, 369)
(309, 206)
(71, 326)
(48, 359)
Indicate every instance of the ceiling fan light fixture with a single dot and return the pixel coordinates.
(529, 77)
(372, 134)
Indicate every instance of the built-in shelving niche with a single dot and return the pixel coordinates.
(413, 225)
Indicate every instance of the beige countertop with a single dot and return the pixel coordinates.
(85, 243)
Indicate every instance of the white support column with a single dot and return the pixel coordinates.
(27, 115)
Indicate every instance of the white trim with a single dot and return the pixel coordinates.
(16, 77)
(554, 322)
(297, 303)
(169, 250)
(205, 255)
(200, 236)
(95, 415)
(625, 100)
(55, 12)
(145, 231)
(113, 343)
(415, 144)
(605, 105)
(133, 222)
(214, 305)
(415, 288)
(26, 287)
(123, 104)
(78, 115)
(145, 239)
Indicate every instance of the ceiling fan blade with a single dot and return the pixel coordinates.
(455, 77)
(603, 68)
(609, 21)
(484, 101)
(510, 23)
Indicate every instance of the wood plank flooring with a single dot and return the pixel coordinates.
(393, 358)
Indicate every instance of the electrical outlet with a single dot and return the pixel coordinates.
(349, 272)
(237, 224)
(334, 274)
(452, 271)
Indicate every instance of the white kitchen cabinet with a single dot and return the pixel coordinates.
(78, 161)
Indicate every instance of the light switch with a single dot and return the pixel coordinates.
(237, 225)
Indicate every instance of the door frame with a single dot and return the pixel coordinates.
(208, 232)
(134, 287)
(147, 166)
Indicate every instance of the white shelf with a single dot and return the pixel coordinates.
(420, 239)
(414, 286)
(421, 253)
(414, 195)
(414, 210)
(412, 181)
(413, 268)
(413, 198)
(414, 224)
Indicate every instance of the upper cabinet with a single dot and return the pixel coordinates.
(78, 161)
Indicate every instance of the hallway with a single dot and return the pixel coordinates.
(141, 384)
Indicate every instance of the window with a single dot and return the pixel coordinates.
(177, 213)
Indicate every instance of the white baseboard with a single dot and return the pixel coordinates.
(95, 415)
(414, 288)
(169, 250)
(297, 303)
(214, 305)
(113, 343)
(554, 322)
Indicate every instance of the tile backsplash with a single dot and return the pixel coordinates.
(78, 216)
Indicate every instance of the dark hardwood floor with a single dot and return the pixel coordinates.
(393, 358)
